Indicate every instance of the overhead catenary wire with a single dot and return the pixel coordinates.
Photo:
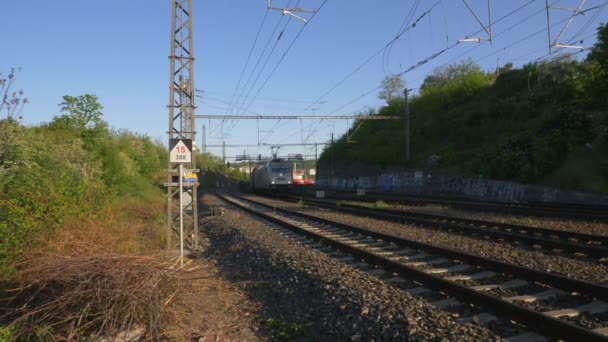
(259, 73)
(459, 56)
(286, 52)
(253, 71)
(448, 47)
(579, 33)
(404, 28)
(248, 59)
(282, 57)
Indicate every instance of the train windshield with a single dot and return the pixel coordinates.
(280, 169)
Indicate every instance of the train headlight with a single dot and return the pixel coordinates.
(288, 182)
(272, 182)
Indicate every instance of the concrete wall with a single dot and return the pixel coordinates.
(434, 184)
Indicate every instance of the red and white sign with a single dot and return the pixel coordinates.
(180, 152)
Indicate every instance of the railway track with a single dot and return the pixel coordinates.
(552, 305)
(555, 240)
(557, 210)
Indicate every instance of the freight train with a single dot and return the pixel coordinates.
(272, 176)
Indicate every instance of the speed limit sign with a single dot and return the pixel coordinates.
(180, 150)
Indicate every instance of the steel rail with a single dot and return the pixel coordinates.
(507, 231)
(571, 211)
(552, 279)
(547, 325)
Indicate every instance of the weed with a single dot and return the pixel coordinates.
(381, 204)
(283, 331)
(6, 334)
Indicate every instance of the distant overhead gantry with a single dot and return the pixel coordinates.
(266, 145)
(298, 117)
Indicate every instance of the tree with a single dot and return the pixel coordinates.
(82, 112)
(392, 87)
(83, 115)
(455, 82)
(597, 65)
(599, 52)
(11, 102)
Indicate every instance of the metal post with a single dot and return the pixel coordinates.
(331, 172)
(181, 213)
(204, 147)
(407, 125)
(224, 152)
(548, 24)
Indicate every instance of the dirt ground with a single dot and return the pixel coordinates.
(210, 308)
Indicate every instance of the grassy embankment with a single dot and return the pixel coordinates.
(82, 222)
(544, 123)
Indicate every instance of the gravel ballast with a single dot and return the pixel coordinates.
(588, 270)
(306, 294)
(568, 225)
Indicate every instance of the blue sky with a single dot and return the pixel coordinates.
(118, 51)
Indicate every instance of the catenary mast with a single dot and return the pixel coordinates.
(181, 123)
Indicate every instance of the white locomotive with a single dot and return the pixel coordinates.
(272, 176)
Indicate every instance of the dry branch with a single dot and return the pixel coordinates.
(91, 296)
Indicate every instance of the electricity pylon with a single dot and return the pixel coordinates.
(181, 124)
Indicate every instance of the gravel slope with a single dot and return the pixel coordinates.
(580, 269)
(305, 294)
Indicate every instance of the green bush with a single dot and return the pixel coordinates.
(63, 170)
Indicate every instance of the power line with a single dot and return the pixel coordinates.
(498, 34)
(296, 117)
(237, 100)
(437, 54)
(219, 100)
(406, 22)
(248, 58)
(440, 52)
(405, 27)
(264, 66)
(390, 43)
(279, 63)
(257, 77)
(369, 59)
(285, 54)
(219, 94)
(536, 33)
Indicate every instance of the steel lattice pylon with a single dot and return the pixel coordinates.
(181, 123)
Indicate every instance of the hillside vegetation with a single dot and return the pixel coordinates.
(72, 170)
(81, 210)
(543, 123)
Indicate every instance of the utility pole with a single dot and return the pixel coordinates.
(224, 152)
(204, 147)
(181, 124)
(331, 171)
(406, 123)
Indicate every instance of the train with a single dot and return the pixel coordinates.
(272, 176)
